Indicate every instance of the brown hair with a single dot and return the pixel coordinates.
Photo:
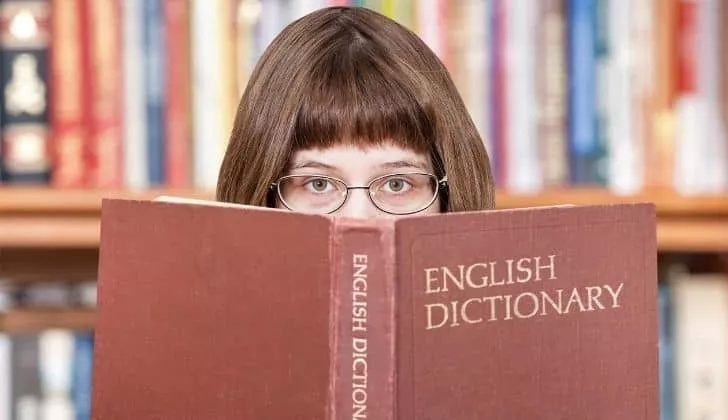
(348, 74)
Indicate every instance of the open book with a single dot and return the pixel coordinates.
(211, 310)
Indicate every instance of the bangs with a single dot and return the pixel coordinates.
(357, 96)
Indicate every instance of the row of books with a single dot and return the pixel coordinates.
(625, 94)
(693, 341)
(46, 373)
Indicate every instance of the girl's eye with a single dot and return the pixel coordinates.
(397, 185)
(318, 185)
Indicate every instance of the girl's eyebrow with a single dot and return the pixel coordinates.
(399, 164)
(312, 164)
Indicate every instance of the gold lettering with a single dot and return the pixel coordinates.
(359, 343)
(469, 276)
(517, 307)
(615, 294)
(464, 312)
(593, 292)
(429, 280)
(574, 298)
(551, 267)
(545, 297)
(430, 307)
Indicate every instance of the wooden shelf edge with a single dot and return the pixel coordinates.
(66, 200)
(692, 235)
(57, 218)
(49, 232)
(24, 200)
(666, 203)
(34, 320)
(699, 235)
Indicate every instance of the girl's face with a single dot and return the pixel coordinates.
(314, 182)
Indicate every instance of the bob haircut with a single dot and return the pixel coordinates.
(349, 75)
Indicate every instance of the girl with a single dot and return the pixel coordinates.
(349, 113)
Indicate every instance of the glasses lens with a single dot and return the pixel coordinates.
(404, 193)
(311, 193)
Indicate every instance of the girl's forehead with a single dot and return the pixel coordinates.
(357, 164)
(384, 155)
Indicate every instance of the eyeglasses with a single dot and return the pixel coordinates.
(400, 193)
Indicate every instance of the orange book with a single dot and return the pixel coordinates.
(231, 312)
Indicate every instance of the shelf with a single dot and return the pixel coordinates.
(33, 320)
(60, 218)
(667, 203)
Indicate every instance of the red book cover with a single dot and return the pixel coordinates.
(105, 141)
(228, 312)
(687, 48)
(67, 102)
(177, 108)
(90, 161)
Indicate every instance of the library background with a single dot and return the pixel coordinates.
(578, 101)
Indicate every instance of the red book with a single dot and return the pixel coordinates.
(687, 47)
(230, 312)
(177, 134)
(105, 152)
(67, 106)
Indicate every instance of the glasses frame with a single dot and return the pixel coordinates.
(440, 185)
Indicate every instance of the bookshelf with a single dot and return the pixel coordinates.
(31, 320)
(56, 218)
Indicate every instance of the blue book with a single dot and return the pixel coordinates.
(155, 76)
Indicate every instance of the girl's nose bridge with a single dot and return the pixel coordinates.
(358, 203)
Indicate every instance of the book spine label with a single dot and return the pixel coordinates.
(362, 370)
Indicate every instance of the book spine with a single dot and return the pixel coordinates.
(228, 69)
(552, 92)
(362, 369)
(177, 139)
(66, 106)
(26, 394)
(136, 173)
(24, 45)
(205, 47)
(583, 135)
(498, 99)
(106, 120)
(5, 372)
(523, 162)
(154, 74)
(661, 161)
(700, 303)
(245, 43)
(689, 141)
(88, 149)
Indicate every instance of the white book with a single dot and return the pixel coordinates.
(136, 173)
(700, 311)
(714, 173)
(523, 158)
(475, 57)
(207, 96)
(623, 143)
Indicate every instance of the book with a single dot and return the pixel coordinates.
(225, 311)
